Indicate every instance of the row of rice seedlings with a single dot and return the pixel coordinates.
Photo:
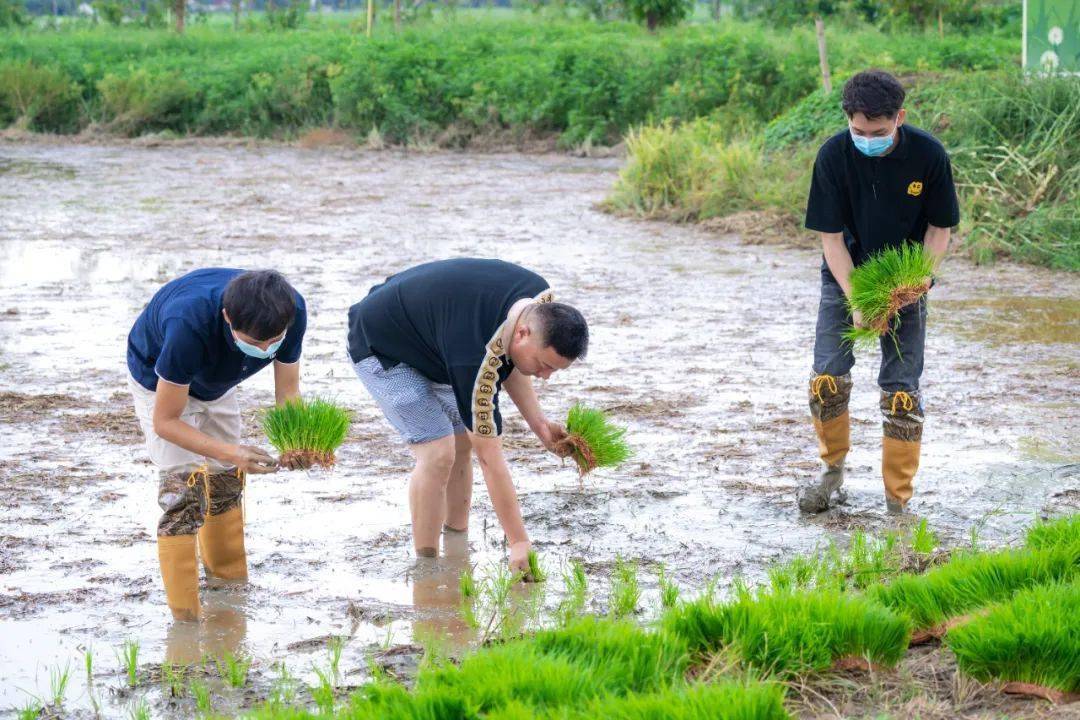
(306, 430)
(786, 634)
(972, 581)
(727, 700)
(594, 440)
(625, 589)
(575, 593)
(1054, 533)
(880, 287)
(669, 591)
(1032, 638)
(867, 561)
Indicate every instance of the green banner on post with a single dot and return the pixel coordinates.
(1052, 36)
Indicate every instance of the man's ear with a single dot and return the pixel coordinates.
(524, 331)
(901, 117)
(225, 315)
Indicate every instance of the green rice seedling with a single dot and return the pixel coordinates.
(172, 677)
(31, 710)
(323, 694)
(334, 648)
(467, 584)
(201, 692)
(306, 430)
(669, 591)
(88, 661)
(129, 658)
(972, 581)
(1032, 638)
(726, 700)
(58, 682)
(140, 710)
(1054, 533)
(233, 669)
(625, 590)
(576, 590)
(923, 540)
(791, 633)
(593, 440)
(536, 573)
(283, 691)
(890, 280)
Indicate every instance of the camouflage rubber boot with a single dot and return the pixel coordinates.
(221, 538)
(182, 497)
(829, 398)
(901, 445)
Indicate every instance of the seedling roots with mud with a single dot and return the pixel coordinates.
(885, 284)
(593, 440)
(306, 430)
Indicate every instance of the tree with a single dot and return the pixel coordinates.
(12, 14)
(657, 13)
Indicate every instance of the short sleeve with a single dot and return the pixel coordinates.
(464, 379)
(824, 211)
(183, 353)
(290, 350)
(942, 207)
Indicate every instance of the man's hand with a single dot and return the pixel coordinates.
(856, 318)
(551, 433)
(251, 460)
(519, 558)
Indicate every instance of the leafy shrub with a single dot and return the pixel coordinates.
(140, 102)
(40, 98)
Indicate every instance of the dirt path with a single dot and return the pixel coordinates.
(701, 344)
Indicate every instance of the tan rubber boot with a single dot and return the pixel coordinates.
(901, 445)
(221, 542)
(180, 573)
(829, 407)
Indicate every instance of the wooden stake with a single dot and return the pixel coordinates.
(823, 57)
(397, 15)
(940, 24)
(178, 10)
(370, 16)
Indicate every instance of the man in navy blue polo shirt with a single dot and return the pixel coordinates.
(434, 345)
(197, 339)
(879, 183)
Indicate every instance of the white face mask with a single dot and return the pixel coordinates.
(873, 146)
(256, 352)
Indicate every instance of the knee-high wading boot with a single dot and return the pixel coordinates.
(829, 398)
(180, 573)
(901, 444)
(221, 538)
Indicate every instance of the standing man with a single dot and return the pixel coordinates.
(434, 345)
(877, 184)
(197, 339)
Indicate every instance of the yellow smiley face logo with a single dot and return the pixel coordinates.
(914, 189)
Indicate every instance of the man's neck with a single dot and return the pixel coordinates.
(513, 317)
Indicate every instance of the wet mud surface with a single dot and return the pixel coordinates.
(701, 345)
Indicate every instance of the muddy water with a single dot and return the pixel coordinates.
(700, 344)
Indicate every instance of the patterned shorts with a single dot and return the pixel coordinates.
(419, 409)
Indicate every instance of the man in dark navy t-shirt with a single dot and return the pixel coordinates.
(434, 345)
(880, 183)
(196, 340)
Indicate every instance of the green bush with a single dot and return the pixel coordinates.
(140, 102)
(812, 120)
(39, 98)
(659, 13)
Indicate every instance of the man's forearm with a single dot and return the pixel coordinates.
(286, 382)
(183, 435)
(503, 495)
(838, 259)
(936, 241)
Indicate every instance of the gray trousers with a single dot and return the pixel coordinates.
(901, 352)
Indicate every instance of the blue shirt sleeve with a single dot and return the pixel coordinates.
(294, 338)
(183, 353)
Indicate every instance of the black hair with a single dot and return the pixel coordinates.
(564, 328)
(874, 93)
(260, 303)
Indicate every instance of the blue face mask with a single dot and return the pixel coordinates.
(255, 352)
(872, 146)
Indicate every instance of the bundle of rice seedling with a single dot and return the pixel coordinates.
(306, 430)
(593, 440)
(880, 287)
(1032, 639)
(1055, 533)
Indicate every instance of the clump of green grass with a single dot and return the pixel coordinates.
(201, 692)
(536, 573)
(576, 593)
(233, 669)
(625, 589)
(306, 430)
(880, 287)
(129, 657)
(972, 581)
(791, 633)
(594, 441)
(669, 591)
(1034, 638)
(1055, 533)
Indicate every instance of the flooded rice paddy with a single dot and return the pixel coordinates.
(701, 345)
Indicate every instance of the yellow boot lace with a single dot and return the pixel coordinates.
(820, 383)
(907, 403)
(202, 471)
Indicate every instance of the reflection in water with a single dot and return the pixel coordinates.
(437, 597)
(221, 631)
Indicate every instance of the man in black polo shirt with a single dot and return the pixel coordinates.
(434, 345)
(877, 184)
(193, 343)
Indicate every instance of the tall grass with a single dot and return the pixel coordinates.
(792, 633)
(972, 581)
(1034, 637)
